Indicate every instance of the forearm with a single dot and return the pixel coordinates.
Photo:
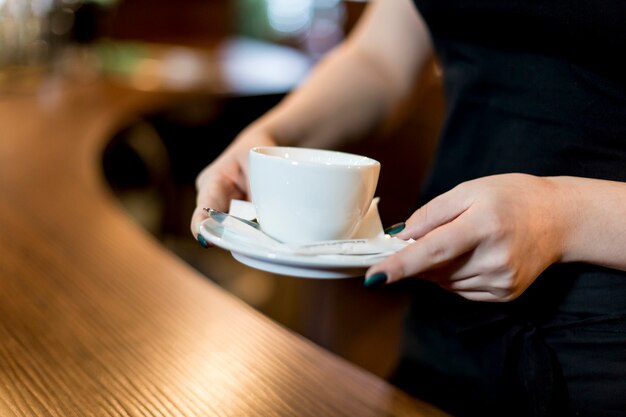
(595, 219)
(357, 87)
(345, 99)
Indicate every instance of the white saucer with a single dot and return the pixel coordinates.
(302, 266)
(317, 272)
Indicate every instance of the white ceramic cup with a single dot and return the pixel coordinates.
(307, 195)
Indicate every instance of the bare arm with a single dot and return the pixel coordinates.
(488, 239)
(358, 85)
(349, 95)
(595, 211)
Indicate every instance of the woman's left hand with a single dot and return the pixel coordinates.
(486, 239)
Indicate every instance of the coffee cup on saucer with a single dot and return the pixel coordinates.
(304, 195)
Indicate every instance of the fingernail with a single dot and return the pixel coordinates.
(396, 228)
(375, 280)
(202, 241)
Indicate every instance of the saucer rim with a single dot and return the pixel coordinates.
(337, 261)
(297, 271)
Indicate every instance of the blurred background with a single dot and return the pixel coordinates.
(221, 64)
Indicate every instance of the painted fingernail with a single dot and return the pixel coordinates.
(202, 241)
(396, 228)
(375, 280)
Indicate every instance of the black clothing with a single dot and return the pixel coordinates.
(537, 87)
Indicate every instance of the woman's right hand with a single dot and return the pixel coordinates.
(227, 177)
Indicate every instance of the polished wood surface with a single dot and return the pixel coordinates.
(97, 318)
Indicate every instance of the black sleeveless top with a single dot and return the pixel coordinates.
(531, 86)
(537, 87)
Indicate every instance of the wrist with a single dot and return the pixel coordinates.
(571, 203)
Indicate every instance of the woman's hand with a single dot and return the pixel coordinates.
(227, 177)
(486, 240)
(371, 74)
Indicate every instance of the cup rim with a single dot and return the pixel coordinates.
(364, 161)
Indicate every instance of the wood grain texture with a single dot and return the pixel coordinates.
(98, 319)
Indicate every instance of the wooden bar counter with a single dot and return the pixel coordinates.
(98, 319)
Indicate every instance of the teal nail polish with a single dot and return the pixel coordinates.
(202, 241)
(396, 228)
(375, 280)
